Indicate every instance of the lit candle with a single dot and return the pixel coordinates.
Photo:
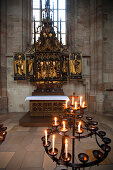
(66, 149)
(45, 137)
(72, 100)
(63, 125)
(79, 126)
(76, 105)
(80, 100)
(55, 121)
(83, 104)
(53, 143)
(66, 103)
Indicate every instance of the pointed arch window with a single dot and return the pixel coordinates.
(58, 12)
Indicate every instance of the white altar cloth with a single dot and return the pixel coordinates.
(47, 98)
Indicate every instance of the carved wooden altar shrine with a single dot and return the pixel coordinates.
(47, 63)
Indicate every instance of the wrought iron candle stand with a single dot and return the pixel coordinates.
(2, 133)
(73, 116)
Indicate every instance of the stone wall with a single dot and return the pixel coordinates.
(16, 34)
(3, 60)
(108, 55)
(90, 30)
(19, 36)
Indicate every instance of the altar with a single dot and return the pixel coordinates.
(47, 105)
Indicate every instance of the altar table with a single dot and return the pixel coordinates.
(46, 105)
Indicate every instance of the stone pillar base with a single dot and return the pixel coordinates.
(3, 104)
(99, 103)
(92, 104)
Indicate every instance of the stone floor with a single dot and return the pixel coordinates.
(23, 150)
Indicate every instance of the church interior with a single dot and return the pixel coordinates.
(56, 84)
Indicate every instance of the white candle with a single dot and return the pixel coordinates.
(75, 105)
(79, 127)
(63, 125)
(66, 149)
(80, 100)
(55, 121)
(72, 100)
(83, 104)
(66, 103)
(45, 137)
(53, 143)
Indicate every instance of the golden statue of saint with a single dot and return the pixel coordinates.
(72, 67)
(54, 69)
(75, 67)
(30, 62)
(20, 66)
(65, 66)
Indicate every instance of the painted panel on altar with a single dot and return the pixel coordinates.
(65, 66)
(48, 67)
(19, 66)
(75, 66)
(29, 66)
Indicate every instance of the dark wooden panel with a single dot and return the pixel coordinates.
(46, 107)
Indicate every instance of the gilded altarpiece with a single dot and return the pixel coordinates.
(48, 67)
(19, 66)
(29, 66)
(75, 65)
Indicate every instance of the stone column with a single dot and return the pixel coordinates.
(99, 57)
(96, 52)
(3, 61)
(108, 55)
(70, 24)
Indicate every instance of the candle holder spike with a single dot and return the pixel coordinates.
(64, 130)
(68, 159)
(79, 132)
(89, 118)
(83, 157)
(106, 140)
(105, 148)
(101, 133)
(97, 154)
(53, 153)
(46, 145)
(3, 133)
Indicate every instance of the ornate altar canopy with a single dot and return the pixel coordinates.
(47, 61)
